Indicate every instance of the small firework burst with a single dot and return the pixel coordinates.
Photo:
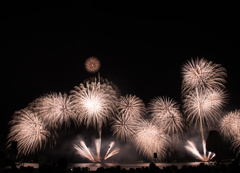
(92, 64)
(28, 130)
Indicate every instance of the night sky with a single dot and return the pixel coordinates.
(141, 48)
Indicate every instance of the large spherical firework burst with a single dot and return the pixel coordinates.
(55, 109)
(166, 114)
(230, 128)
(92, 64)
(151, 139)
(203, 107)
(28, 130)
(94, 103)
(130, 108)
(202, 74)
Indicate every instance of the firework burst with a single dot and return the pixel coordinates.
(131, 106)
(204, 106)
(92, 64)
(230, 128)
(202, 74)
(151, 139)
(130, 109)
(55, 109)
(28, 130)
(94, 103)
(166, 114)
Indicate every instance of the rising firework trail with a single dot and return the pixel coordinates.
(29, 131)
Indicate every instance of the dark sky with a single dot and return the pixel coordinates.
(141, 48)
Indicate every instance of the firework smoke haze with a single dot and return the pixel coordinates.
(150, 139)
(94, 103)
(166, 114)
(130, 108)
(55, 109)
(203, 107)
(202, 74)
(29, 131)
(230, 128)
(92, 64)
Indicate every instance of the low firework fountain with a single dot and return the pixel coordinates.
(207, 156)
(84, 151)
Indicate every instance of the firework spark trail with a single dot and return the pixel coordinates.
(115, 151)
(165, 113)
(202, 74)
(130, 109)
(29, 132)
(98, 148)
(94, 103)
(92, 64)
(84, 151)
(55, 109)
(192, 148)
(151, 139)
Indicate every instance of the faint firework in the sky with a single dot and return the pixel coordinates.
(92, 64)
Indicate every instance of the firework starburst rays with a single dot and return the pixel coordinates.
(165, 112)
(130, 109)
(204, 106)
(202, 74)
(55, 109)
(94, 103)
(29, 132)
(131, 106)
(230, 128)
(151, 139)
(92, 64)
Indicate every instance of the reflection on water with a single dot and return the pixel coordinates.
(94, 166)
